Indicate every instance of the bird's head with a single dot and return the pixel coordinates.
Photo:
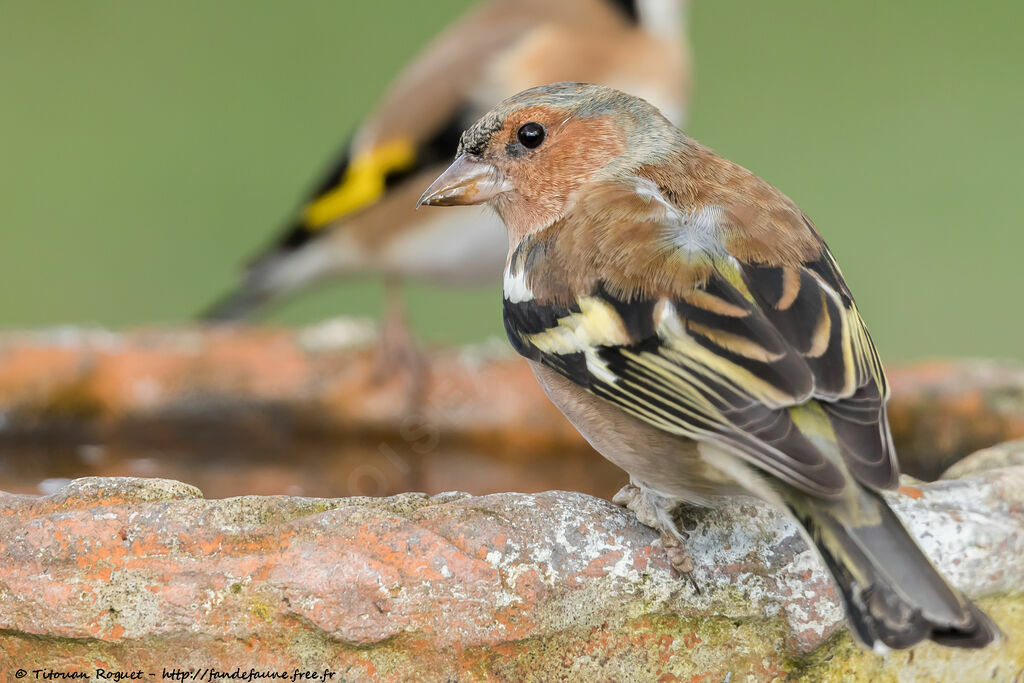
(529, 154)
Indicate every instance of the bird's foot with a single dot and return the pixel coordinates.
(633, 499)
(679, 557)
(657, 512)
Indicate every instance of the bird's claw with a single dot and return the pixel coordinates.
(679, 558)
(632, 498)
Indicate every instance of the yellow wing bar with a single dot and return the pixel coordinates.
(362, 184)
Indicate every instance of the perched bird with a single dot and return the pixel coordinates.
(688, 319)
(360, 217)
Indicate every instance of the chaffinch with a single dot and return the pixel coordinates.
(689, 320)
(360, 217)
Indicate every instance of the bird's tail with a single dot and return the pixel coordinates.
(894, 596)
(238, 304)
(272, 277)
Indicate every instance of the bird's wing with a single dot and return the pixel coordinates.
(419, 120)
(356, 181)
(645, 306)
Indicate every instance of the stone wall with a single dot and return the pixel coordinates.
(146, 574)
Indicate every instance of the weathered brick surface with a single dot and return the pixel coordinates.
(942, 410)
(147, 574)
(483, 424)
(125, 573)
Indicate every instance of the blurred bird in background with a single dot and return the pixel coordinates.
(688, 319)
(360, 218)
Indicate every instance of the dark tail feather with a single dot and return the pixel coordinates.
(239, 304)
(272, 277)
(894, 596)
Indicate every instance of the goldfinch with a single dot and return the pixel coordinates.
(359, 218)
(688, 319)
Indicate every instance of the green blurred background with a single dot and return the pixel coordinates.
(146, 149)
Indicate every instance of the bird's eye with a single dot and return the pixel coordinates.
(530, 135)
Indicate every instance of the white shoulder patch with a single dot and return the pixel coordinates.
(697, 231)
(515, 287)
(700, 231)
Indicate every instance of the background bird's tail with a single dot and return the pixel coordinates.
(240, 303)
(272, 277)
(893, 594)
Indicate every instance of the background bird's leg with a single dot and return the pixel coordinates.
(658, 512)
(398, 349)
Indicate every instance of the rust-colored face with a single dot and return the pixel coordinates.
(527, 164)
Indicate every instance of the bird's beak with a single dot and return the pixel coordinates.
(467, 181)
